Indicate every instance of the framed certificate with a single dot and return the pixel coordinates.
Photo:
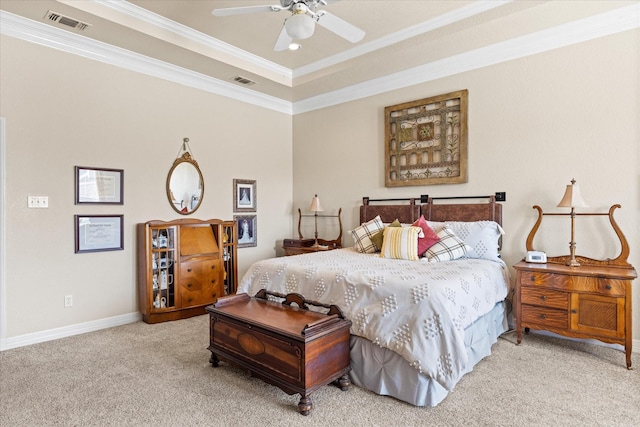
(98, 185)
(95, 233)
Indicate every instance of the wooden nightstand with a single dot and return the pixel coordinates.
(581, 302)
(305, 246)
(589, 300)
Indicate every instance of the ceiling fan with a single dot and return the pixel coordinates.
(301, 24)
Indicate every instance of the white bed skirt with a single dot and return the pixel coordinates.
(387, 373)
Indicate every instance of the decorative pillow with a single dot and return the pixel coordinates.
(362, 235)
(449, 247)
(400, 243)
(429, 238)
(482, 236)
(377, 238)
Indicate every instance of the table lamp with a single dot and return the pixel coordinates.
(572, 199)
(315, 208)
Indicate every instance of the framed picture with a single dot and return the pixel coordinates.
(244, 195)
(247, 230)
(95, 233)
(99, 185)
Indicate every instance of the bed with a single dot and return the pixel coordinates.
(418, 325)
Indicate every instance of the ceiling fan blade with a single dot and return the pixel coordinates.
(245, 10)
(339, 26)
(314, 4)
(284, 40)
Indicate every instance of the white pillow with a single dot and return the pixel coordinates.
(449, 247)
(483, 237)
(362, 235)
(400, 243)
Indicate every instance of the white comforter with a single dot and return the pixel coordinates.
(415, 308)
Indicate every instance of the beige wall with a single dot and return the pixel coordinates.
(534, 124)
(62, 110)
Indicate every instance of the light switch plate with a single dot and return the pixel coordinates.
(38, 201)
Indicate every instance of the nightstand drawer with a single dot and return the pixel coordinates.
(566, 282)
(612, 287)
(562, 282)
(544, 297)
(544, 318)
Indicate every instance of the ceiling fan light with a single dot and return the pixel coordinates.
(299, 26)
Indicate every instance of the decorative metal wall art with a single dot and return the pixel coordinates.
(426, 141)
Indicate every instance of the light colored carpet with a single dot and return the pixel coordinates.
(160, 375)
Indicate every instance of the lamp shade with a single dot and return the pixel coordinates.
(299, 26)
(572, 197)
(315, 204)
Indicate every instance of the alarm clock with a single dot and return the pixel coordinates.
(536, 256)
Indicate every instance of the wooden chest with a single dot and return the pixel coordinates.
(285, 345)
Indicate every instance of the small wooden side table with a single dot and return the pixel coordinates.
(577, 296)
(305, 246)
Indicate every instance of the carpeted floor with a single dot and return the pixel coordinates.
(159, 375)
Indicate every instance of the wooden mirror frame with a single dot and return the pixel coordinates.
(185, 207)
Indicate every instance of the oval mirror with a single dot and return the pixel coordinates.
(185, 186)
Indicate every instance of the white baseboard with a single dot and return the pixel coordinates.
(68, 331)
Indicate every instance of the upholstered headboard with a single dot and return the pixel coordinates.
(407, 211)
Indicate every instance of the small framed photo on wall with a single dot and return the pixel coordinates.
(245, 196)
(247, 226)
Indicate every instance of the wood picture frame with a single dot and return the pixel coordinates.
(426, 141)
(245, 196)
(96, 233)
(99, 185)
(247, 226)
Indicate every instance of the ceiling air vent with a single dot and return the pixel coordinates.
(243, 80)
(65, 20)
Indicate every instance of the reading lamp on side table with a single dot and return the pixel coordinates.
(572, 199)
(315, 208)
(302, 245)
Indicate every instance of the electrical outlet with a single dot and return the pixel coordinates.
(68, 300)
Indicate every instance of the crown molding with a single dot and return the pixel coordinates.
(399, 36)
(126, 13)
(46, 35)
(612, 22)
(160, 27)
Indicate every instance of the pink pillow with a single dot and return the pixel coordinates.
(430, 237)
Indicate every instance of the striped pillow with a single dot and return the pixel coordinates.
(362, 235)
(449, 247)
(400, 243)
(377, 238)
